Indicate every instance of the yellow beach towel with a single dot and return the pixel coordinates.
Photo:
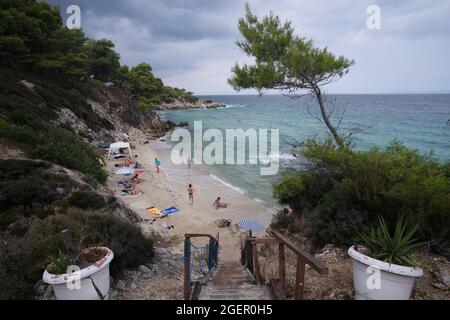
(155, 212)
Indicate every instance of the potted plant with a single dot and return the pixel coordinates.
(84, 277)
(386, 271)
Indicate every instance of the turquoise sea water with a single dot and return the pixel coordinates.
(420, 121)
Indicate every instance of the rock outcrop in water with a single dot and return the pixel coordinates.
(199, 104)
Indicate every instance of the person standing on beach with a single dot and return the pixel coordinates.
(157, 164)
(191, 194)
(190, 163)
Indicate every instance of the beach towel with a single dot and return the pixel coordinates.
(250, 224)
(170, 211)
(155, 212)
(126, 194)
(125, 171)
(139, 171)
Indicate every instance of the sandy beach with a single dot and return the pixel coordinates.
(162, 190)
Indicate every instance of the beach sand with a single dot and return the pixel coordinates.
(161, 191)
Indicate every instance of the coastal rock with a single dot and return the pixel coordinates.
(144, 269)
(200, 104)
(121, 285)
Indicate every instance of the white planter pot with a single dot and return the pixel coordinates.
(66, 286)
(378, 280)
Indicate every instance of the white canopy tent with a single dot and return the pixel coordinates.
(117, 146)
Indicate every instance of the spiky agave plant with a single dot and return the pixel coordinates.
(396, 248)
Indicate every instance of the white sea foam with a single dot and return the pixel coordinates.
(259, 200)
(226, 183)
(281, 157)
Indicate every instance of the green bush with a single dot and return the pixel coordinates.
(56, 145)
(86, 200)
(26, 189)
(343, 191)
(32, 253)
(18, 272)
(131, 248)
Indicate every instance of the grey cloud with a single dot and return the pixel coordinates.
(191, 43)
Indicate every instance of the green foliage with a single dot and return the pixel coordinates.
(18, 272)
(287, 62)
(282, 60)
(32, 36)
(87, 200)
(60, 263)
(284, 220)
(171, 94)
(104, 62)
(392, 249)
(26, 189)
(131, 248)
(43, 246)
(31, 26)
(143, 84)
(150, 90)
(343, 191)
(56, 145)
(66, 56)
(26, 116)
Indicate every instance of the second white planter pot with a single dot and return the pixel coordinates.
(93, 281)
(377, 280)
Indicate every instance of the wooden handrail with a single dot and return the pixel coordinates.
(200, 235)
(250, 255)
(307, 257)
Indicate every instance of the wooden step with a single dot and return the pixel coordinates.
(233, 282)
(254, 292)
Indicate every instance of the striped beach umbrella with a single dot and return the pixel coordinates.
(250, 224)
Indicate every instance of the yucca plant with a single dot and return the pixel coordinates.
(396, 249)
(59, 264)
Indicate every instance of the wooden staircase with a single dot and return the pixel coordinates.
(243, 280)
(233, 282)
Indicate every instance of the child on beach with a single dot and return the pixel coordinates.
(191, 194)
(157, 164)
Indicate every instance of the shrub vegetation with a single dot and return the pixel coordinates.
(343, 191)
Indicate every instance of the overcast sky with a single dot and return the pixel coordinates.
(191, 43)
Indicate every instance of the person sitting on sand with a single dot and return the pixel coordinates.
(219, 204)
(135, 180)
(191, 194)
(134, 191)
(129, 162)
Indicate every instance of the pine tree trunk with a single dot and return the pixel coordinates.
(326, 119)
